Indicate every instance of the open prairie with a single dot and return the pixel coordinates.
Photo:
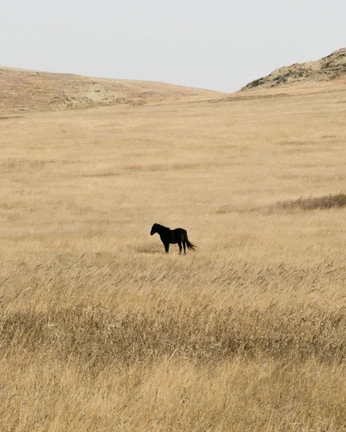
(100, 330)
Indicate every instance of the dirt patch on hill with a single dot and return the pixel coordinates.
(327, 69)
(30, 91)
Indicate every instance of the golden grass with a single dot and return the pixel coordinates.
(100, 330)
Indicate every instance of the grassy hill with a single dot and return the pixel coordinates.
(100, 330)
(30, 91)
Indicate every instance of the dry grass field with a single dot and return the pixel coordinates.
(100, 330)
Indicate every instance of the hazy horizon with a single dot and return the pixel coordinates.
(217, 46)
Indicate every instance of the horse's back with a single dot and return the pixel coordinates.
(179, 234)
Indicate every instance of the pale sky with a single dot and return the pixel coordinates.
(212, 44)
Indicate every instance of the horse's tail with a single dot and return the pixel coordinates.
(190, 245)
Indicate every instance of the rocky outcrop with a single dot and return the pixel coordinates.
(328, 68)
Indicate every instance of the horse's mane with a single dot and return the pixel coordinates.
(159, 225)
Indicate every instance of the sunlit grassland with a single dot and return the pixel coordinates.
(100, 330)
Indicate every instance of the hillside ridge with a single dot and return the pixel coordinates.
(326, 69)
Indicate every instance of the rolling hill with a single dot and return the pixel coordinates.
(31, 91)
(28, 91)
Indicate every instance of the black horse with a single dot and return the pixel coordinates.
(178, 235)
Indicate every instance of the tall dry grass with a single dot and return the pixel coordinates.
(101, 331)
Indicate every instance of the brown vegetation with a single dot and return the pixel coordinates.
(313, 203)
(101, 330)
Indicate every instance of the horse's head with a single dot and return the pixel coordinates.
(154, 229)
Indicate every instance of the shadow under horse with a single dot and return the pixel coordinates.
(168, 236)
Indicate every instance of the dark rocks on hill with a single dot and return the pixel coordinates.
(328, 68)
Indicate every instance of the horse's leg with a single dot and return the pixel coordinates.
(184, 244)
(180, 248)
(166, 247)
